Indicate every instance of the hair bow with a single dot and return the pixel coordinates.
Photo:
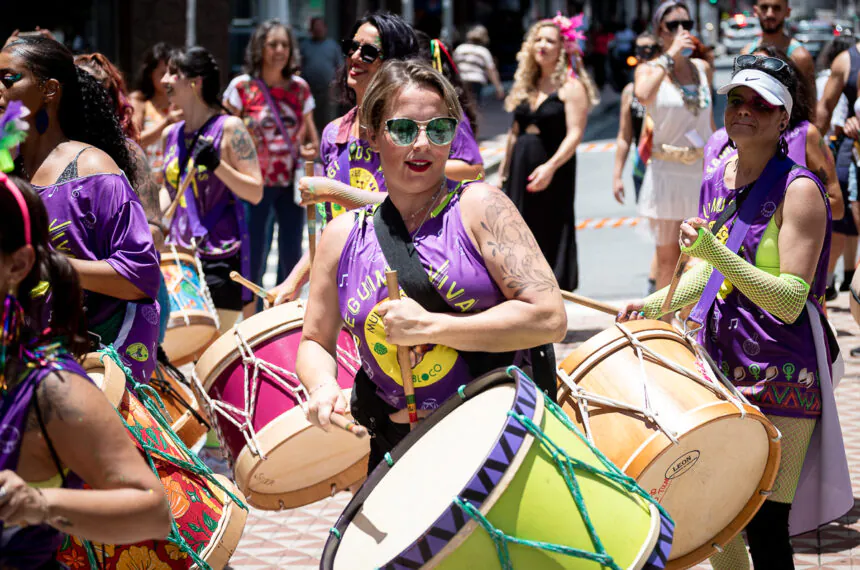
(13, 131)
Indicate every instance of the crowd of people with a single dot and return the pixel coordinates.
(100, 182)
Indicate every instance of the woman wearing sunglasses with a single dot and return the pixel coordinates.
(676, 92)
(550, 100)
(477, 250)
(764, 322)
(277, 108)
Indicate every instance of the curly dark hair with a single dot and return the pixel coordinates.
(51, 266)
(100, 67)
(448, 70)
(86, 112)
(253, 65)
(833, 48)
(151, 58)
(803, 99)
(398, 42)
(199, 62)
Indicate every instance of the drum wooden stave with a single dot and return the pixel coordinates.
(183, 410)
(280, 460)
(193, 322)
(724, 465)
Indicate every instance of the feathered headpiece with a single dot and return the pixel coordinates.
(13, 131)
(570, 32)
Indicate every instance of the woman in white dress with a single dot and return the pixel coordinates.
(676, 92)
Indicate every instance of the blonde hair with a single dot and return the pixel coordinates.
(391, 79)
(528, 71)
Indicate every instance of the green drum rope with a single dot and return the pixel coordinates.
(567, 465)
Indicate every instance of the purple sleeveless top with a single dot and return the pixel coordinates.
(215, 218)
(351, 160)
(34, 546)
(99, 217)
(453, 265)
(717, 150)
(774, 364)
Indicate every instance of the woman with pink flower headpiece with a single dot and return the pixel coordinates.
(550, 99)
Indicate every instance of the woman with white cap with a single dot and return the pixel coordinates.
(763, 233)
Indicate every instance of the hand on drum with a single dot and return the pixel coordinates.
(325, 399)
(690, 231)
(631, 312)
(406, 322)
(284, 293)
(19, 503)
(313, 189)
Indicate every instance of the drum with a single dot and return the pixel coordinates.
(254, 398)
(184, 412)
(854, 301)
(107, 375)
(646, 400)
(207, 521)
(498, 477)
(193, 319)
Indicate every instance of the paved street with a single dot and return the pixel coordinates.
(613, 264)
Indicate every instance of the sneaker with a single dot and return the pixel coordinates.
(846, 283)
(830, 293)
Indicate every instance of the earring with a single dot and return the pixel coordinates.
(13, 316)
(42, 121)
(782, 147)
(732, 144)
(193, 84)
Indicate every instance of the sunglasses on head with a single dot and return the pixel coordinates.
(759, 62)
(367, 52)
(673, 25)
(440, 131)
(646, 52)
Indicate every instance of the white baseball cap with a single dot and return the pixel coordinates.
(766, 85)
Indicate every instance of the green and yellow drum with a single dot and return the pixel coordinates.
(499, 477)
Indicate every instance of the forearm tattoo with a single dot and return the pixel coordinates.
(522, 263)
(242, 145)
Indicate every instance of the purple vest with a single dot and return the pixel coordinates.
(351, 160)
(453, 265)
(99, 217)
(774, 364)
(215, 218)
(29, 547)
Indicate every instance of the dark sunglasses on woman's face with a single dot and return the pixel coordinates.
(367, 52)
(673, 25)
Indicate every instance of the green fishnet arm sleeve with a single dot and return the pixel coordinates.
(784, 297)
(690, 288)
(348, 196)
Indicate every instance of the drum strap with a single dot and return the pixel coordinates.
(401, 255)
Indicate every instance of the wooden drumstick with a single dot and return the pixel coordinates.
(253, 287)
(347, 424)
(168, 215)
(312, 216)
(590, 303)
(679, 270)
(403, 357)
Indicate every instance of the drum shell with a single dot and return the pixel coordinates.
(193, 323)
(278, 419)
(607, 366)
(178, 406)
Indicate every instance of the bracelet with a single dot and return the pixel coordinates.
(316, 388)
(664, 62)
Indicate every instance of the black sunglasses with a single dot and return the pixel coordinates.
(776, 67)
(646, 52)
(673, 25)
(367, 52)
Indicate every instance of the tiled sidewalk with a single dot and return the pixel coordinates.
(294, 539)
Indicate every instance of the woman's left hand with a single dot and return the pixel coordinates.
(406, 322)
(540, 178)
(690, 231)
(308, 151)
(19, 503)
(313, 189)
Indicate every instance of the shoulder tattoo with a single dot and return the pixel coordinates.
(509, 238)
(242, 145)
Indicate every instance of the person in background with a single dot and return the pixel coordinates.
(844, 243)
(277, 108)
(152, 112)
(476, 65)
(772, 15)
(550, 99)
(321, 59)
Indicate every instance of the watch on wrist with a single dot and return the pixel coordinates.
(666, 62)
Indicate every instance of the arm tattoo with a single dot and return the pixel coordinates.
(523, 265)
(822, 175)
(242, 145)
(825, 149)
(53, 397)
(144, 184)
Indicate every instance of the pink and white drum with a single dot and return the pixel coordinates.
(255, 400)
